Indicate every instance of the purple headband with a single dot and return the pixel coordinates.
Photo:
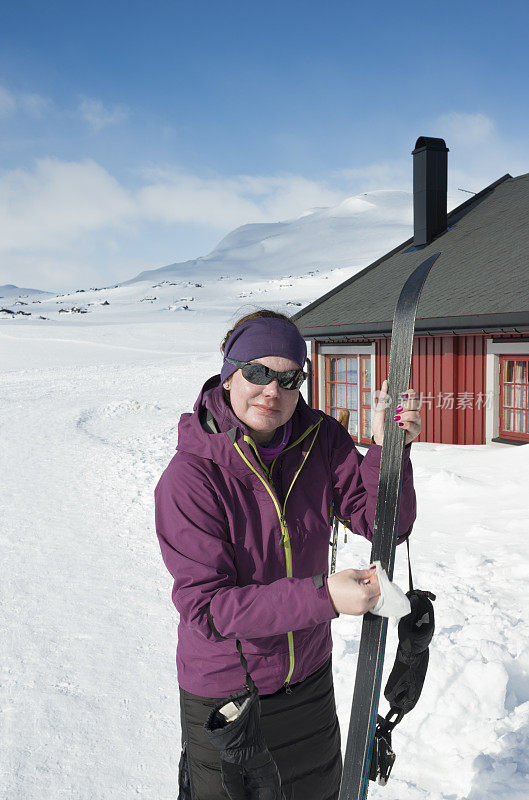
(264, 336)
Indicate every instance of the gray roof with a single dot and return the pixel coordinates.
(480, 281)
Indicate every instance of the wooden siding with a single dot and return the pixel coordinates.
(444, 368)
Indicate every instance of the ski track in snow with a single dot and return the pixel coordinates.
(89, 699)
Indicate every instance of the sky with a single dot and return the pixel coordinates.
(138, 134)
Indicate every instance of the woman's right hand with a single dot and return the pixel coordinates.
(353, 591)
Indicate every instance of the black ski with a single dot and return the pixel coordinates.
(366, 695)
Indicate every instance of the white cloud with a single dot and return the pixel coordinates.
(189, 199)
(56, 203)
(52, 205)
(12, 102)
(225, 203)
(34, 104)
(463, 130)
(7, 102)
(383, 175)
(285, 196)
(480, 152)
(99, 117)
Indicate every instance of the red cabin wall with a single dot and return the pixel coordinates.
(445, 367)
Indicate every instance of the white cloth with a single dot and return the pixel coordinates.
(392, 602)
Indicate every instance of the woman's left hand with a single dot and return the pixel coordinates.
(407, 410)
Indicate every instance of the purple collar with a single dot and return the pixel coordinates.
(269, 452)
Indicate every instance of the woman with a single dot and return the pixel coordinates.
(243, 515)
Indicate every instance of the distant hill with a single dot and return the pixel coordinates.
(10, 290)
(351, 234)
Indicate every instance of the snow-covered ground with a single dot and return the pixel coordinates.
(88, 694)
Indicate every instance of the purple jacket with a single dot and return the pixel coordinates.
(249, 549)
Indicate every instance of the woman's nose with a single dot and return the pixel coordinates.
(271, 389)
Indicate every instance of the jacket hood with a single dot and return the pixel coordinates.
(195, 438)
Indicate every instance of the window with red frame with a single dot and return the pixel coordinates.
(348, 387)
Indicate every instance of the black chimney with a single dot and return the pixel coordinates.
(430, 169)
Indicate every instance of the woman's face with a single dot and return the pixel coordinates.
(263, 409)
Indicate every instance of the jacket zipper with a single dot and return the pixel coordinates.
(285, 538)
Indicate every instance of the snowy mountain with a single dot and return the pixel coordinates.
(349, 235)
(10, 290)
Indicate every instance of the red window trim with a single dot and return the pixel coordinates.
(362, 406)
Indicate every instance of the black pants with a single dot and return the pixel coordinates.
(301, 730)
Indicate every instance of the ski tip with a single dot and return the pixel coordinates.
(433, 258)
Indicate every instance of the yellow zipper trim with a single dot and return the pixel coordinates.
(250, 441)
(302, 463)
(293, 444)
(268, 470)
(281, 514)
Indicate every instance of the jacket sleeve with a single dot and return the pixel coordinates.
(194, 539)
(355, 486)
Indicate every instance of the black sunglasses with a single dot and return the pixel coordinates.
(261, 375)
